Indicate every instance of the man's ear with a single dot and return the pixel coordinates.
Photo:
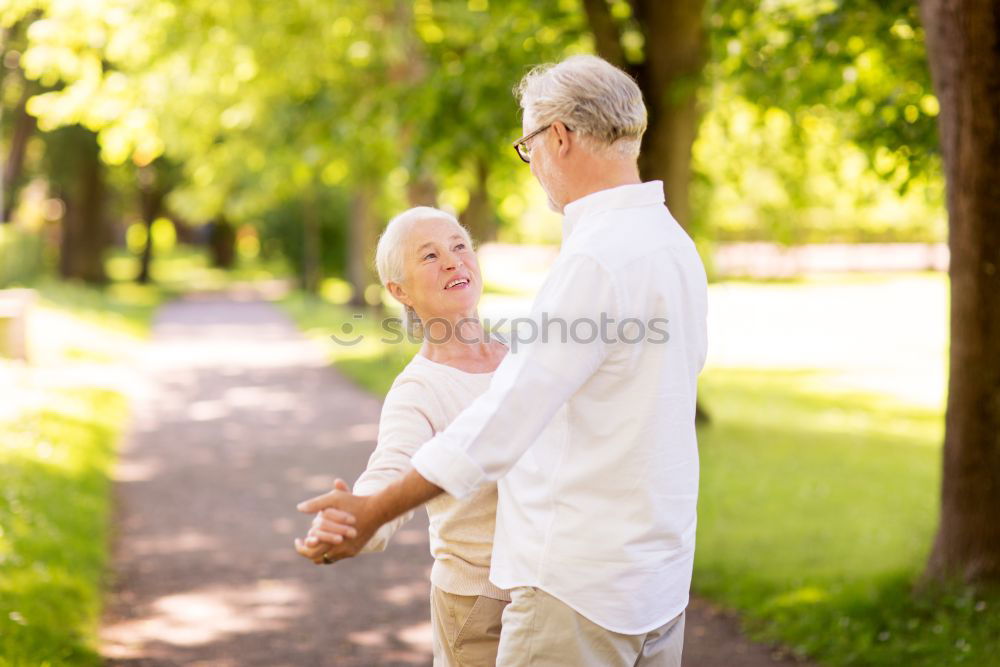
(563, 138)
(398, 293)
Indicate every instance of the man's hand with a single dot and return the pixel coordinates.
(332, 525)
(332, 533)
(341, 528)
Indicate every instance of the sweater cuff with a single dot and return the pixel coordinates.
(448, 467)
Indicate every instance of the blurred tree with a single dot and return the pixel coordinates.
(863, 61)
(78, 179)
(963, 38)
(222, 242)
(366, 102)
(460, 114)
(663, 46)
(282, 233)
(478, 216)
(669, 75)
(16, 90)
(361, 239)
(154, 182)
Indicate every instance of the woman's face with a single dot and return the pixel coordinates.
(441, 272)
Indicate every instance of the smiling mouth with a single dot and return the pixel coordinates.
(458, 282)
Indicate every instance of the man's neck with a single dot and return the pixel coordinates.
(604, 175)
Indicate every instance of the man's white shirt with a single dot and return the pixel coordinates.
(600, 511)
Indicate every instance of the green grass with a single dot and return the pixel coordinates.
(818, 501)
(54, 483)
(125, 308)
(816, 514)
(186, 268)
(371, 362)
(57, 450)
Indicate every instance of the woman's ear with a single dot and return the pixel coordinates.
(398, 293)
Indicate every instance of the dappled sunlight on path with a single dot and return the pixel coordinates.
(241, 419)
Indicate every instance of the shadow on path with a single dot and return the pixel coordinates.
(242, 418)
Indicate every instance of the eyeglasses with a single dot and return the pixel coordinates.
(522, 147)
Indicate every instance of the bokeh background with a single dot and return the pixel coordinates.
(158, 150)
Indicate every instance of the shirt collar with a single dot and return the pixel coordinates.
(623, 196)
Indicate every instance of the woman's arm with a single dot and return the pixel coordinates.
(405, 424)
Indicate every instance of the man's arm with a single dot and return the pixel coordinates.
(409, 492)
(489, 436)
(370, 512)
(549, 362)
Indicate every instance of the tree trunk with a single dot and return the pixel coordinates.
(23, 127)
(669, 77)
(422, 191)
(478, 216)
(84, 236)
(151, 195)
(67, 231)
(607, 35)
(222, 243)
(361, 244)
(14, 41)
(311, 239)
(963, 46)
(146, 258)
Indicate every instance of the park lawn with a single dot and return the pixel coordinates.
(57, 451)
(817, 511)
(817, 508)
(372, 362)
(184, 268)
(54, 476)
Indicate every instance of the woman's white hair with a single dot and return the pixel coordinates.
(389, 255)
(590, 96)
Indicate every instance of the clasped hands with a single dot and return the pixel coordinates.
(341, 527)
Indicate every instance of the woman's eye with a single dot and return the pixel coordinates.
(430, 255)
(460, 246)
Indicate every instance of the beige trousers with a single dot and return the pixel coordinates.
(466, 629)
(540, 630)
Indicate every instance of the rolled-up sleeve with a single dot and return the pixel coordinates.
(537, 377)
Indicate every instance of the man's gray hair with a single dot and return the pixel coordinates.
(390, 261)
(591, 96)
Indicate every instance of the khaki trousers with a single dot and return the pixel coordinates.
(539, 630)
(466, 629)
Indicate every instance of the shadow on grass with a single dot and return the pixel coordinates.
(817, 512)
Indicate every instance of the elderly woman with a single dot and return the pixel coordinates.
(426, 260)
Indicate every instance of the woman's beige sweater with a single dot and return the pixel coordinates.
(423, 400)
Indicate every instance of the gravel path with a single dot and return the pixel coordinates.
(241, 417)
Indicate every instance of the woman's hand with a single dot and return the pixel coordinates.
(369, 512)
(329, 528)
(315, 554)
(353, 537)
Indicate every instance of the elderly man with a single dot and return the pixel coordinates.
(595, 535)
